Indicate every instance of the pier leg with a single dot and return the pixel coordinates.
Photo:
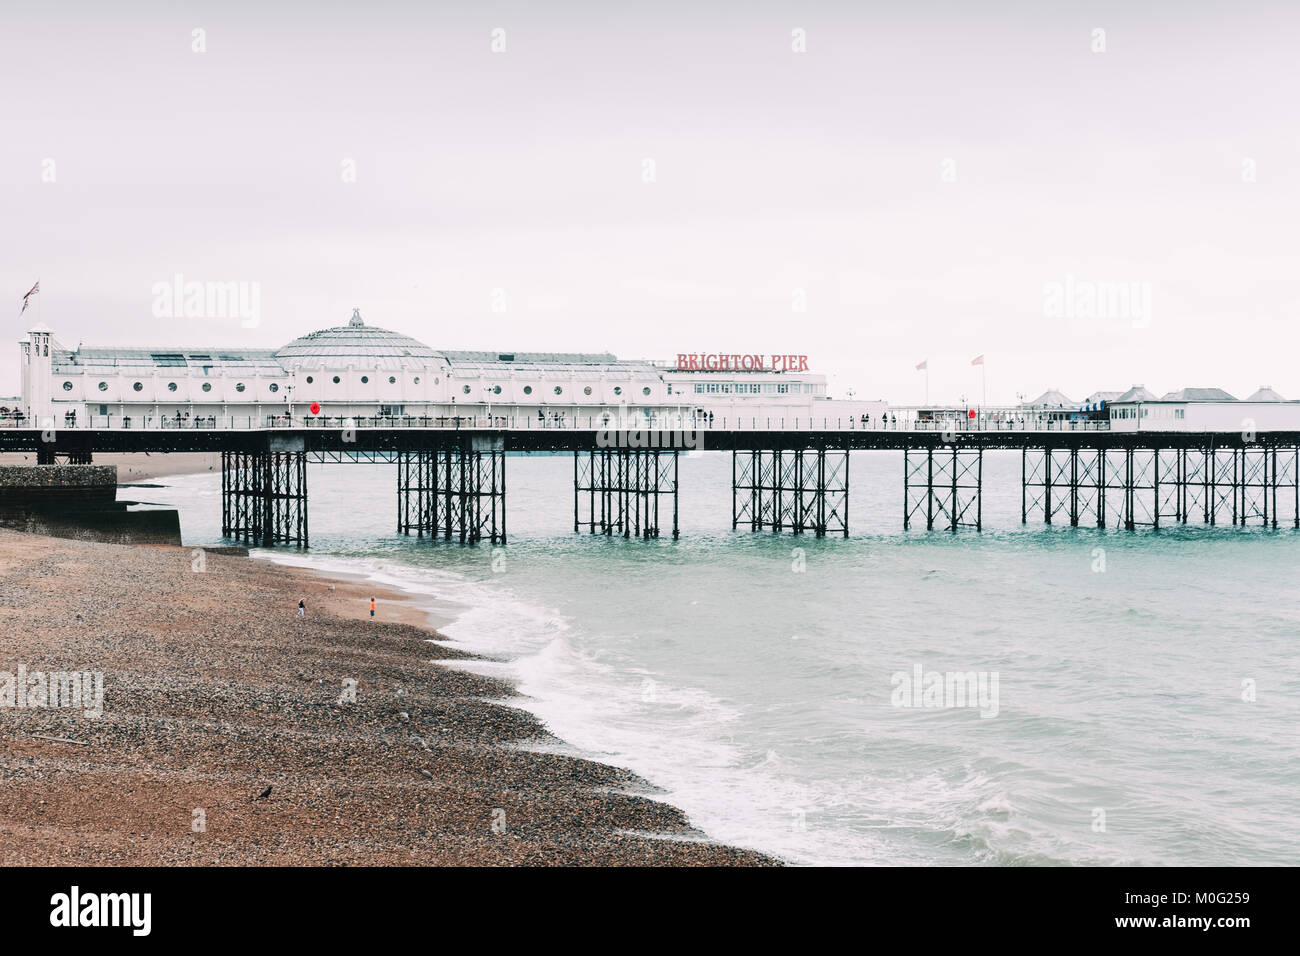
(1128, 489)
(796, 490)
(1236, 484)
(1024, 488)
(416, 509)
(948, 482)
(1074, 487)
(1207, 482)
(929, 489)
(1273, 486)
(618, 490)
(264, 496)
(1169, 482)
(1047, 487)
(1101, 488)
(1034, 484)
(72, 450)
(1087, 485)
(454, 492)
(1255, 481)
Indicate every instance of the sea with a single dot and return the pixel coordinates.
(1022, 695)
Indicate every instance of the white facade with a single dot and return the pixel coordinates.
(1231, 416)
(357, 370)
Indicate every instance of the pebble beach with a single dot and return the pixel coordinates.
(234, 732)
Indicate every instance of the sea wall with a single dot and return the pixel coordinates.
(79, 502)
(53, 486)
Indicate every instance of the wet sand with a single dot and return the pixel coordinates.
(214, 690)
(139, 467)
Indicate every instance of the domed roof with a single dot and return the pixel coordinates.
(355, 345)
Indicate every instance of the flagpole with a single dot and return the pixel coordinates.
(984, 376)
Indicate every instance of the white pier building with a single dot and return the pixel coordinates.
(361, 371)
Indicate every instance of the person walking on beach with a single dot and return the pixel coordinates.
(302, 609)
(372, 607)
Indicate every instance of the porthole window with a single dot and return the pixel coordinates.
(103, 386)
(138, 386)
(392, 380)
(465, 388)
(365, 379)
(586, 390)
(496, 389)
(67, 386)
(239, 386)
(308, 379)
(336, 379)
(528, 390)
(207, 386)
(646, 390)
(171, 386)
(417, 380)
(275, 387)
(618, 389)
(558, 390)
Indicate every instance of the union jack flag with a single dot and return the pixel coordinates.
(35, 289)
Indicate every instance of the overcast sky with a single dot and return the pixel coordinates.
(915, 181)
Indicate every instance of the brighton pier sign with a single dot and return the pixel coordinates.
(736, 362)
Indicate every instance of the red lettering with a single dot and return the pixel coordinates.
(738, 361)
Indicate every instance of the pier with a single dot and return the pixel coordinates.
(452, 482)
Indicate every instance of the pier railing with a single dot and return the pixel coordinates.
(794, 423)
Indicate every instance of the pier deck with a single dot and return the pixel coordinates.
(452, 481)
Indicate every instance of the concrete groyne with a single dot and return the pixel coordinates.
(80, 502)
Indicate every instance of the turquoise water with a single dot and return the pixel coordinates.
(760, 698)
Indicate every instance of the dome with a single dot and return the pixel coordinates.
(356, 345)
